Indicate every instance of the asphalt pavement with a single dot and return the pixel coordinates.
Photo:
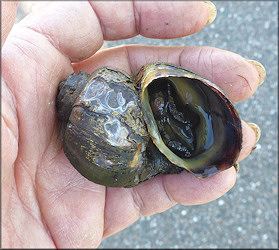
(247, 216)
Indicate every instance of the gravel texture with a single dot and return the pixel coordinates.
(247, 216)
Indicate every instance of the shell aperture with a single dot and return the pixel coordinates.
(209, 118)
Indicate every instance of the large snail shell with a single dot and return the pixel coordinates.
(120, 131)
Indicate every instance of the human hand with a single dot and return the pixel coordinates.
(45, 201)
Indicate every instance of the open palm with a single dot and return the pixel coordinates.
(45, 201)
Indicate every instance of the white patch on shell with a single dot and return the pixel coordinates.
(116, 134)
(109, 100)
(101, 161)
(93, 90)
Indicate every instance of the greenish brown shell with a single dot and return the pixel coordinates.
(111, 130)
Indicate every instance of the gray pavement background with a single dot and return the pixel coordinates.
(247, 216)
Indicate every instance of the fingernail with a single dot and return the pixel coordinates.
(261, 70)
(256, 129)
(253, 148)
(236, 166)
(212, 12)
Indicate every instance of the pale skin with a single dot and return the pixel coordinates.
(45, 201)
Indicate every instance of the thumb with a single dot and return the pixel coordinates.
(8, 15)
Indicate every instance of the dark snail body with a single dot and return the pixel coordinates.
(120, 131)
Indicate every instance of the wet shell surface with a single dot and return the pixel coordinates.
(120, 130)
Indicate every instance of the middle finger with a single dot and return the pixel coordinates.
(237, 77)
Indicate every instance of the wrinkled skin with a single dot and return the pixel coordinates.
(45, 201)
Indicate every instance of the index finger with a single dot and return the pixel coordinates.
(155, 19)
(77, 29)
